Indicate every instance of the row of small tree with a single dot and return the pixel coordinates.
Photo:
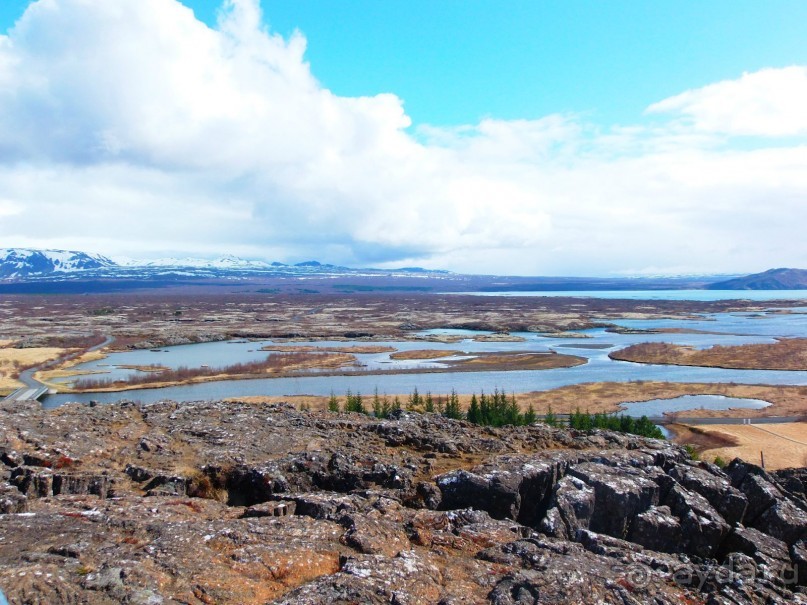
(496, 409)
(490, 410)
(381, 406)
(624, 424)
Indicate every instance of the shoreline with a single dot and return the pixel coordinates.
(480, 367)
(614, 404)
(785, 355)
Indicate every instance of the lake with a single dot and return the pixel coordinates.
(732, 328)
(696, 295)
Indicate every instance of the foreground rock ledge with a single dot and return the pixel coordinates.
(254, 503)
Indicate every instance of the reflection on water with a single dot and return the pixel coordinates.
(694, 295)
(734, 329)
(657, 407)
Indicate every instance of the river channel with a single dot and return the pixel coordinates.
(594, 345)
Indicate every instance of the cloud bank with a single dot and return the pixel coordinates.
(130, 127)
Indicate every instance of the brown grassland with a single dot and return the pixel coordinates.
(355, 349)
(281, 364)
(147, 319)
(782, 445)
(484, 362)
(13, 361)
(607, 397)
(786, 354)
(423, 354)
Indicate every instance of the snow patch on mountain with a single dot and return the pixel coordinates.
(224, 262)
(22, 264)
(18, 263)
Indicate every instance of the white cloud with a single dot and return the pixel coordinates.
(129, 127)
(9, 208)
(770, 102)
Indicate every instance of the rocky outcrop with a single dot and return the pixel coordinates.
(255, 504)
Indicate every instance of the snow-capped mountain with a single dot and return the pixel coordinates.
(225, 262)
(21, 263)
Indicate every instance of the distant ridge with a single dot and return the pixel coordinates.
(19, 265)
(773, 279)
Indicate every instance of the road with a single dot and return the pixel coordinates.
(710, 420)
(34, 389)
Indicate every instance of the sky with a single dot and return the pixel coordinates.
(482, 136)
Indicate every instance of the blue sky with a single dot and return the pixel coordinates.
(531, 137)
(454, 62)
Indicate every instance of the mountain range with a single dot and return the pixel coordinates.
(24, 265)
(30, 266)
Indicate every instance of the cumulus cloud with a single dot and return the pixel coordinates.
(770, 102)
(130, 127)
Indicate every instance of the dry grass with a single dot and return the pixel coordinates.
(786, 354)
(312, 402)
(499, 338)
(12, 361)
(607, 397)
(63, 371)
(491, 362)
(784, 445)
(424, 354)
(356, 349)
(699, 439)
(281, 364)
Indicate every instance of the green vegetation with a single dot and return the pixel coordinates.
(354, 403)
(621, 423)
(496, 409)
(102, 311)
(453, 409)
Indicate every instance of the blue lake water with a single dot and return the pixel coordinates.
(657, 407)
(696, 295)
(733, 328)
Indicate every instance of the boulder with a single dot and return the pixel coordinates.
(761, 494)
(798, 556)
(32, 481)
(713, 485)
(783, 521)
(278, 508)
(507, 487)
(374, 536)
(657, 529)
(12, 500)
(702, 528)
(321, 505)
(618, 496)
(499, 495)
(761, 547)
(82, 484)
(571, 508)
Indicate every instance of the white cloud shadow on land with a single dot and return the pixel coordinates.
(130, 127)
